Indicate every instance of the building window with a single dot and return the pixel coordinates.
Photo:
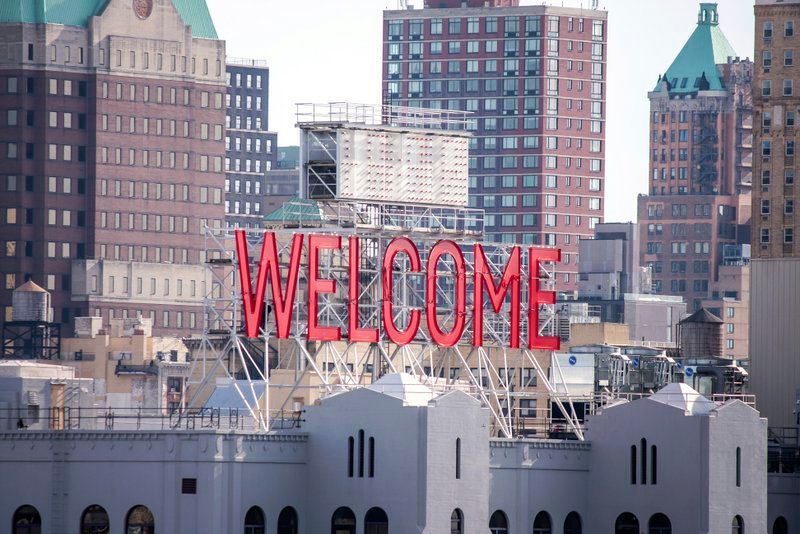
(350, 452)
(572, 524)
(498, 523)
(371, 457)
(626, 523)
(738, 466)
(140, 520)
(542, 524)
(254, 521)
(653, 464)
(376, 521)
(780, 526)
(26, 520)
(458, 458)
(737, 525)
(361, 454)
(287, 521)
(456, 522)
(633, 464)
(94, 520)
(659, 524)
(343, 521)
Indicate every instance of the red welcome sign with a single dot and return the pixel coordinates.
(284, 290)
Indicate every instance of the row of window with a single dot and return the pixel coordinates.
(249, 145)
(16, 183)
(679, 229)
(159, 127)
(698, 266)
(508, 86)
(788, 206)
(788, 29)
(531, 180)
(679, 247)
(788, 235)
(533, 162)
(766, 177)
(682, 210)
(766, 87)
(250, 80)
(510, 24)
(236, 100)
(506, 48)
(531, 200)
(531, 67)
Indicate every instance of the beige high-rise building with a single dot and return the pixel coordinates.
(775, 268)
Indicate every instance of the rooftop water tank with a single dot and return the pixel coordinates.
(29, 302)
(701, 335)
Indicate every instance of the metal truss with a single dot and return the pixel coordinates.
(309, 370)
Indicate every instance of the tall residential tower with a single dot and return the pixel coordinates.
(533, 78)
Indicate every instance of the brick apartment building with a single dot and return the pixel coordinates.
(775, 272)
(111, 155)
(533, 78)
(250, 148)
(697, 211)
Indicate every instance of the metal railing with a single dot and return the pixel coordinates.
(141, 419)
(246, 62)
(381, 115)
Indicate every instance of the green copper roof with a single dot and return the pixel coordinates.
(706, 48)
(295, 210)
(77, 12)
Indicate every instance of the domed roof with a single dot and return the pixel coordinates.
(403, 386)
(30, 287)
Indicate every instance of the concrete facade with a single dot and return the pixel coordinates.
(774, 338)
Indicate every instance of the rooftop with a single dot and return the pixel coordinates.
(684, 398)
(695, 66)
(405, 387)
(77, 13)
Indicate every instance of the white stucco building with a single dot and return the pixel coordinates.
(396, 457)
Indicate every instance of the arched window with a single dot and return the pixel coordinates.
(572, 524)
(659, 524)
(26, 520)
(498, 523)
(644, 461)
(737, 525)
(376, 522)
(456, 522)
(254, 522)
(287, 521)
(95, 520)
(627, 523)
(542, 524)
(140, 521)
(343, 521)
(633, 464)
(780, 526)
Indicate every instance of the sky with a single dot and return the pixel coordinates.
(328, 51)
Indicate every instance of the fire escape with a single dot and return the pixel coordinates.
(707, 181)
